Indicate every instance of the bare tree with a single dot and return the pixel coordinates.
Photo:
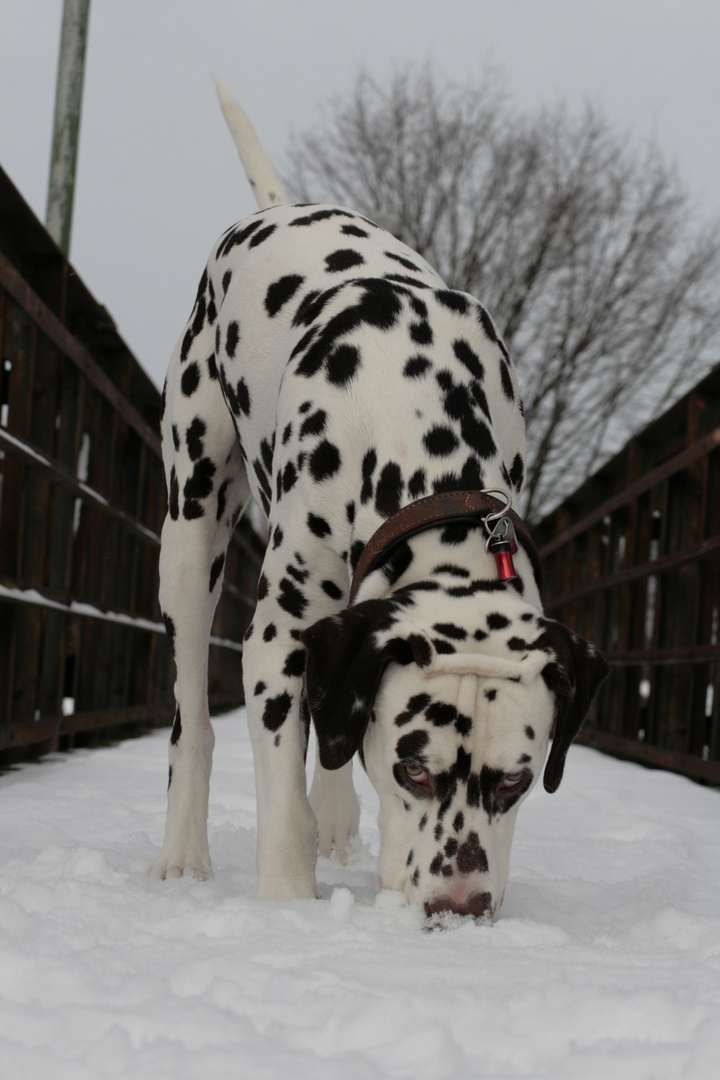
(584, 249)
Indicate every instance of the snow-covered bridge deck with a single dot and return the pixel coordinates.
(605, 963)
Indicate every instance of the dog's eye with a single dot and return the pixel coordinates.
(415, 778)
(415, 772)
(511, 780)
(512, 786)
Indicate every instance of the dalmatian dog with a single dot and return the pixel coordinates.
(330, 374)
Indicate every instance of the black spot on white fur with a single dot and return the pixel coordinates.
(276, 711)
(261, 236)
(343, 259)
(190, 379)
(280, 292)
(177, 728)
(194, 438)
(216, 570)
(318, 525)
(388, 491)
(324, 461)
(232, 337)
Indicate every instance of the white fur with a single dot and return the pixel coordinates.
(263, 179)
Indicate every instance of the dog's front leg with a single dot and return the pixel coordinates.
(336, 807)
(287, 830)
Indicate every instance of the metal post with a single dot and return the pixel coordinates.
(66, 131)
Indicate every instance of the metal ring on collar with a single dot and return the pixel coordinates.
(496, 515)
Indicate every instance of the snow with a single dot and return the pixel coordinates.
(605, 962)
(76, 607)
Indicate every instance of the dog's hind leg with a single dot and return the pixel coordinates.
(207, 488)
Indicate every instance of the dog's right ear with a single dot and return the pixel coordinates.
(573, 677)
(346, 658)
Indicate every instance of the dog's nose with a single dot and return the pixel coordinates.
(479, 905)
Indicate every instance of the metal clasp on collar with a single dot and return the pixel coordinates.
(501, 541)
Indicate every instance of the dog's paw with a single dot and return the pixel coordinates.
(336, 835)
(164, 868)
(337, 809)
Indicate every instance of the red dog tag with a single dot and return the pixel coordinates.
(503, 545)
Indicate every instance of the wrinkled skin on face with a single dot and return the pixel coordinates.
(452, 760)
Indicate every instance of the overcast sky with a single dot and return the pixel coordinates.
(158, 176)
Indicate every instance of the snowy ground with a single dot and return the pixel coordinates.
(605, 963)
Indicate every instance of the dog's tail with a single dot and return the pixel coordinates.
(263, 179)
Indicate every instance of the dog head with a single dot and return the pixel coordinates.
(452, 719)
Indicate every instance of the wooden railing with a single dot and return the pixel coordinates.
(632, 561)
(82, 500)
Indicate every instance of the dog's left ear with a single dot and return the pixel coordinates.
(573, 677)
(346, 657)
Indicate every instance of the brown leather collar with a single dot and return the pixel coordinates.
(449, 506)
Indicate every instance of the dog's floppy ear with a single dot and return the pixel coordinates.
(346, 657)
(573, 677)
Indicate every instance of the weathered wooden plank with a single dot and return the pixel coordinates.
(61, 337)
(83, 502)
(675, 464)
